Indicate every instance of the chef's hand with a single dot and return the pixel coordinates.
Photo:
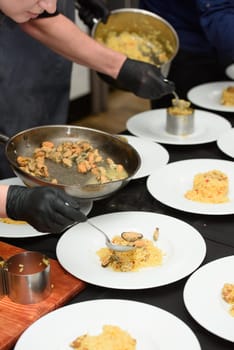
(92, 9)
(143, 79)
(47, 209)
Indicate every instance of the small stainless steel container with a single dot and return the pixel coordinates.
(180, 125)
(2, 279)
(27, 277)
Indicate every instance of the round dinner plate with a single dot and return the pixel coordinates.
(77, 250)
(26, 230)
(209, 95)
(170, 183)
(230, 71)
(226, 143)
(203, 300)
(56, 330)
(151, 125)
(152, 155)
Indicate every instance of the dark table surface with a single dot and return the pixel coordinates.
(218, 232)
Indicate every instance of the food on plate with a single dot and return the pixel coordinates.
(145, 47)
(12, 221)
(227, 98)
(209, 187)
(146, 254)
(156, 234)
(131, 236)
(111, 338)
(180, 107)
(80, 155)
(2, 261)
(228, 296)
(180, 118)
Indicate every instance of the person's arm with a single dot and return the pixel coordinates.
(47, 209)
(3, 200)
(217, 20)
(65, 38)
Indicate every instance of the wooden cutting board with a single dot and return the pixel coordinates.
(15, 318)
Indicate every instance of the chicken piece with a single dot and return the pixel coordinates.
(83, 167)
(48, 144)
(23, 161)
(67, 162)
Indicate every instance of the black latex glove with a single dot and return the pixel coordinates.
(43, 207)
(143, 79)
(92, 9)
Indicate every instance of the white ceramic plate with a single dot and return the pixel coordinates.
(151, 125)
(208, 96)
(230, 71)
(25, 230)
(169, 184)
(76, 250)
(226, 142)
(152, 155)
(56, 330)
(202, 297)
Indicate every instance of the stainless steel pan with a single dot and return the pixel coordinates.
(144, 23)
(25, 142)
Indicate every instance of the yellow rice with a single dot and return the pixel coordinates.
(111, 338)
(145, 255)
(209, 187)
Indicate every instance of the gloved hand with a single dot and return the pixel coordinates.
(92, 9)
(47, 209)
(143, 79)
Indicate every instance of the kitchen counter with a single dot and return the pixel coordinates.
(218, 232)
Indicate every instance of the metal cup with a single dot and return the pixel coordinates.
(27, 277)
(2, 280)
(180, 125)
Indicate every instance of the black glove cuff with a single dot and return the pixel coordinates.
(13, 196)
(128, 70)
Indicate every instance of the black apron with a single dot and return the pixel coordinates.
(34, 82)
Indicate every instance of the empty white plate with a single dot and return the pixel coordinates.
(226, 142)
(152, 154)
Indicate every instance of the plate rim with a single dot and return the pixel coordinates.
(155, 145)
(156, 313)
(220, 140)
(217, 108)
(133, 285)
(174, 140)
(228, 68)
(19, 228)
(187, 293)
(188, 210)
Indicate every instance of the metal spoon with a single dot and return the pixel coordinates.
(176, 97)
(173, 92)
(109, 244)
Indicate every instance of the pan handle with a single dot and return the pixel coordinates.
(4, 138)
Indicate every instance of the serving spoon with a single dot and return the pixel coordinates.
(176, 97)
(109, 244)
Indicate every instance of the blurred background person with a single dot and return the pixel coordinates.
(206, 31)
(35, 87)
(49, 209)
(34, 80)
